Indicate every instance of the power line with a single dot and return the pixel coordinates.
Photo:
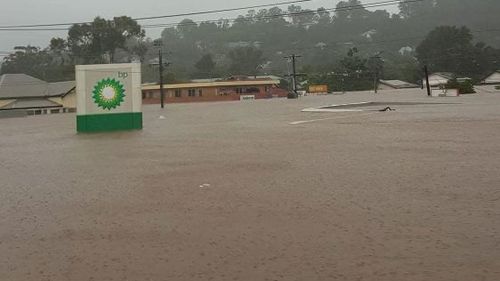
(354, 43)
(224, 10)
(383, 42)
(289, 14)
(164, 16)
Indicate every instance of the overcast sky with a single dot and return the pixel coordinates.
(21, 12)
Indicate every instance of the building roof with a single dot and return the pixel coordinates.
(61, 88)
(32, 103)
(234, 78)
(218, 83)
(21, 85)
(24, 86)
(398, 84)
(446, 75)
(493, 78)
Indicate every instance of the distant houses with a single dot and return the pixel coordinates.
(492, 79)
(440, 79)
(395, 85)
(23, 92)
(217, 89)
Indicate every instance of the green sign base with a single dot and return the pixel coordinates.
(109, 122)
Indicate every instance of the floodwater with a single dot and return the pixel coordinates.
(257, 191)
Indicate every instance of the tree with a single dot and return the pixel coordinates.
(301, 17)
(416, 9)
(322, 17)
(357, 73)
(402, 67)
(465, 87)
(26, 59)
(91, 43)
(187, 27)
(245, 60)
(205, 66)
(38, 63)
(353, 63)
(350, 10)
(58, 51)
(451, 49)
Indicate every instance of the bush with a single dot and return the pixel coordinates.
(465, 87)
(497, 87)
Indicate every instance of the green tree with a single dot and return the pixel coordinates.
(350, 10)
(465, 87)
(187, 28)
(97, 42)
(38, 63)
(29, 60)
(451, 49)
(245, 60)
(416, 9)
(205, 66)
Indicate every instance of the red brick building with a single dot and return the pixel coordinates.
(214, 90)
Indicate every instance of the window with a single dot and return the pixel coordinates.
(239, 90)
(200, 93)
(150, 95)
(143, 95)
(252, 90)
(178, 93)
(222, 91)
(192, 92)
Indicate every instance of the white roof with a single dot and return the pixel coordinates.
(493, 78)
(23, 86)
(398, 84)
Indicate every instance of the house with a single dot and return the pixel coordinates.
(440, 79)
(395, 85)
(229, 89)
(23, 92)
(492, 79)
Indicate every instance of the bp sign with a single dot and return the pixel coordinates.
(109, 94)
(108, 97)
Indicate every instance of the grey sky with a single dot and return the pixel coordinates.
(54, 11)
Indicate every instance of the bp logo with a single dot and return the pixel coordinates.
(108, 94)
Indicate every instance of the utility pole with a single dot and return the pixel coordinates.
(161, 67)
(294, 76)
(162, 94)
(377, 63)
(426, 71)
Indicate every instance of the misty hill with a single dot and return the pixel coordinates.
(347, 39)
(323, 37)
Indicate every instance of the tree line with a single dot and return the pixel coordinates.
(345, 47)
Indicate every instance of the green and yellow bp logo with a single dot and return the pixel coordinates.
(108, 94)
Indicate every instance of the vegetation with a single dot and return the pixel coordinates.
(338, 47)
(463, 87)
(205, 66)
(99, 41)
(451, 49)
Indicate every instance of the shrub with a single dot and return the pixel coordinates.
(465, 87)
